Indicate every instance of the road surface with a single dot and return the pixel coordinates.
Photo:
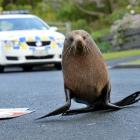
(43, 91)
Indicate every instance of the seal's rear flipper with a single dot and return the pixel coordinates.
(131, 99)
(99, 107)
(78, 111)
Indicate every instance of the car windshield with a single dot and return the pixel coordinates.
(13, 24)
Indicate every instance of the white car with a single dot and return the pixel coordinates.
(26, 41)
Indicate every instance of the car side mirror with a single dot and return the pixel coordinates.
(53, 28)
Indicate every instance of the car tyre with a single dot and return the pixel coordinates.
(27, 68)
(58, 66)
(1, 69)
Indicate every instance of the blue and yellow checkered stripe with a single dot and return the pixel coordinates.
(20, 44)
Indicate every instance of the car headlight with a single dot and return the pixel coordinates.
(60, 38)
(60, 41)
(10, 43)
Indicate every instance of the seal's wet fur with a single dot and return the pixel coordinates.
(86, 78)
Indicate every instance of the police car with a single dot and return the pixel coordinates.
(26, 41)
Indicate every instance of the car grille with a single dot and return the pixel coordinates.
(12, 58)
(34, 43)
(39, 57)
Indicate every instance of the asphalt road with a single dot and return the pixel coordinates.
(43, 91)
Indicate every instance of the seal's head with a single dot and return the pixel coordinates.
(77, 42)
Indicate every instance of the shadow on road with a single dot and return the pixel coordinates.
(71, 119)
(10, 70)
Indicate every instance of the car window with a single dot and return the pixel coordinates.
(5, 26)
(12, 24)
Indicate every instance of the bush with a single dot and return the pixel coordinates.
(18, 7)
(81, 24)
(104, 46)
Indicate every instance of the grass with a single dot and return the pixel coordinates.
(121, 54)
(134, 62)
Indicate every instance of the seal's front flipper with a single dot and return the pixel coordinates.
(57, 111)
(131, 99)
(61, 109)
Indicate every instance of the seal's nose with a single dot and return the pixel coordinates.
(79, 45)
(78, 40)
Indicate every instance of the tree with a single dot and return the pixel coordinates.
(6, 3)
(102, 7)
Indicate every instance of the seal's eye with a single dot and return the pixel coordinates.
(84, 37)
(71, 39)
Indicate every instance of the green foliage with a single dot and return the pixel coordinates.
(66, 13)
(100, 33)
(53, 10)
(45, 10)
(69, 12)
(103, 45)
(81, 24)
(19, 7)
(117, 14)
(137, 9)
(1, 1)
(121, 3)
(85, 14)
(11, 6)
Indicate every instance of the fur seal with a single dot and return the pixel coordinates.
(86, 78)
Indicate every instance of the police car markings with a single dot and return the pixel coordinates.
(21, 43)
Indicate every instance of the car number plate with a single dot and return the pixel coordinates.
(40, 53)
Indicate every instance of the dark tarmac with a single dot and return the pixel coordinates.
(42, 91)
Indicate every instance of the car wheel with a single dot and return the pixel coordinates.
(1, 69)
(58, 66)
(27, 68)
